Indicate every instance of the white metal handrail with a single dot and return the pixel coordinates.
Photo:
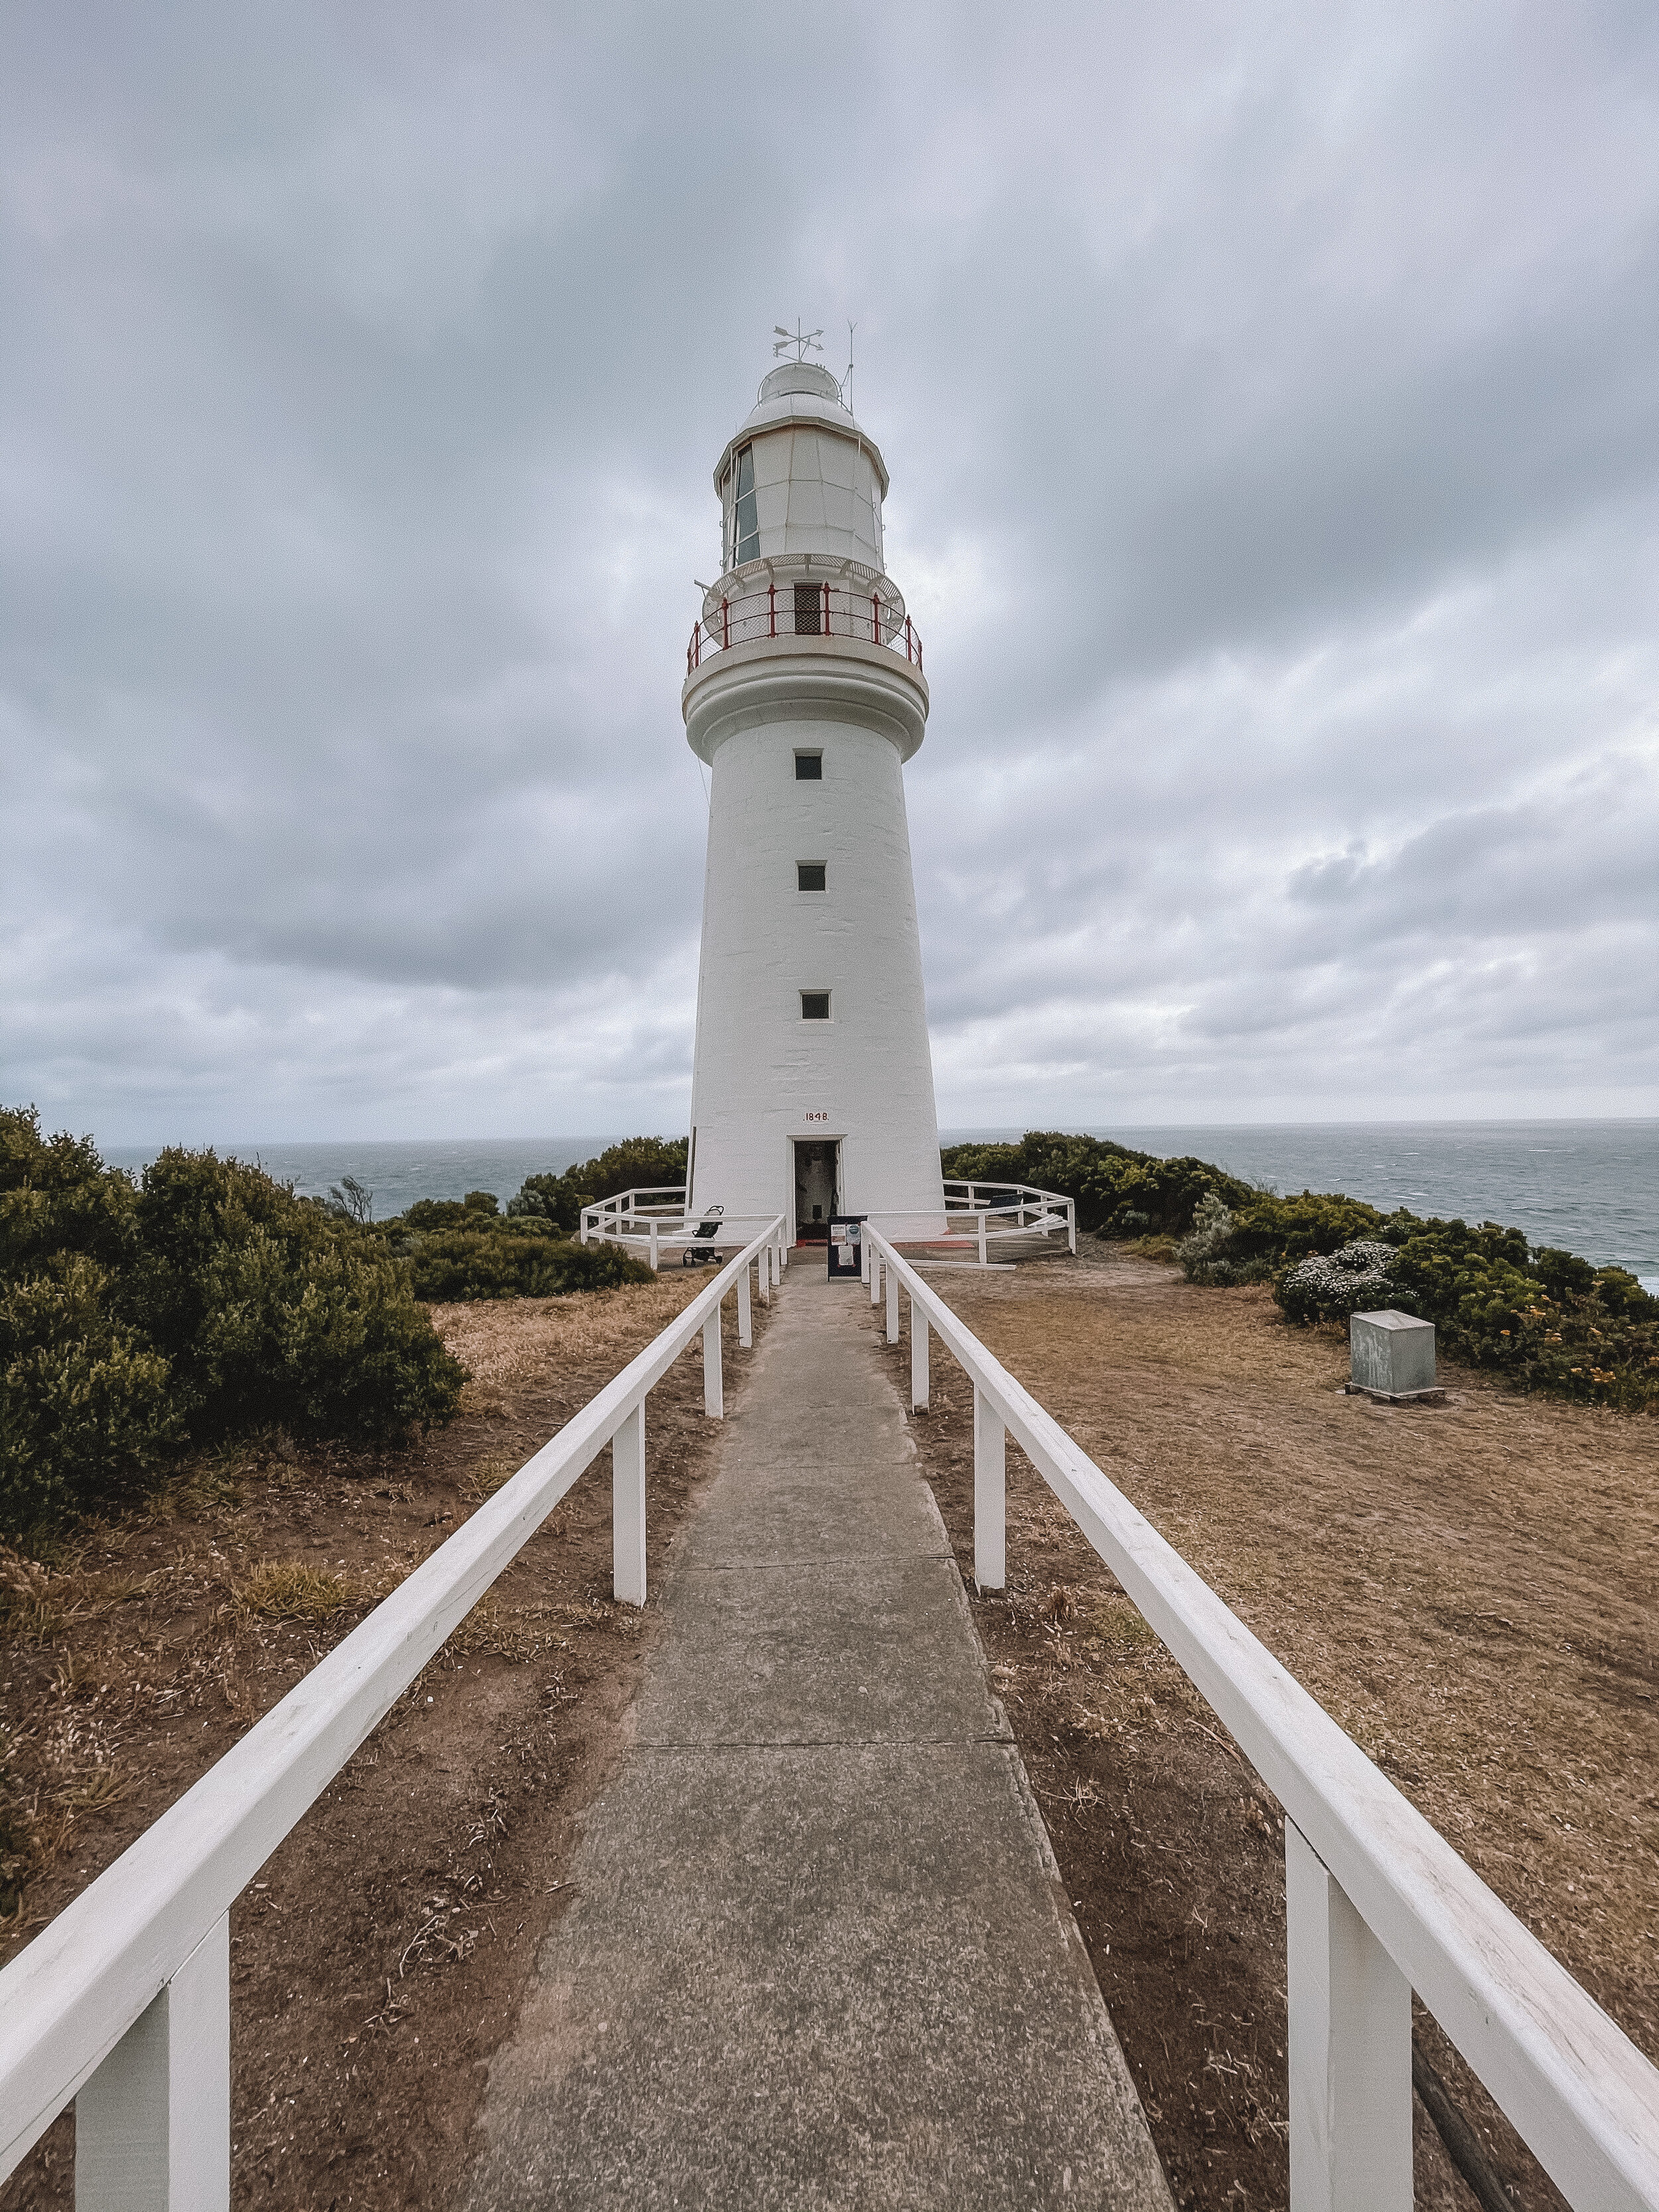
(1024, 1212)
(655, 1228)
(973, 1217)
(122, 2003)
(1378, 1903)
(650, 1219)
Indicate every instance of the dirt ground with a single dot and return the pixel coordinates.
(378, 1958)
(1468, 1590)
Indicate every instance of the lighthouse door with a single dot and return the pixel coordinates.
(817, 1160)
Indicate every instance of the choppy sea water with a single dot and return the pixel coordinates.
(1590, 1185)
(399, 1173)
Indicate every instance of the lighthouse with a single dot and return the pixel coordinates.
(812, 1091)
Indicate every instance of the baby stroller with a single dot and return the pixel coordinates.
(702, 1253)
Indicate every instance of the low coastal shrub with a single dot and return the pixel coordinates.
(1547, 1319)
(1118, 1192)
(462, 1248)
(1356, 1278)
(192, 1307)
(516, 1261)
(635, 1163)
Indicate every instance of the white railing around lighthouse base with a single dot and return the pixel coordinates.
(653, 1220)
(121, 2004)
(1378, 1905)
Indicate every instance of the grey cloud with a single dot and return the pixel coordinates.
(1275, 450)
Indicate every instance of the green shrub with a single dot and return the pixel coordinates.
(1209, 1252)
(1546, 1318)
(1357, 1279)
(86, 1412)
(459, 1264)
(635, 1163)
(428, 1213)
(56, 1196)
(276, 1312)
(208, 1302)
(1118, 1192)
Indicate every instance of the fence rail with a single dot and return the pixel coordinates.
(654, 1219)
(803, 609)
(1377, 1903)
(123, 2003)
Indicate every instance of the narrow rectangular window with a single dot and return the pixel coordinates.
(815, 1006)
(809, 876)
(809, 610)
(745, 525)
(809, 768)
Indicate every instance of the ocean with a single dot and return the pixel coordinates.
(1590, 1185)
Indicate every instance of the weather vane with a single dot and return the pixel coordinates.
(804, 342)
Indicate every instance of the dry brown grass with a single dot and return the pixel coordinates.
(486, 1476)
(507, 1344)
(1470, 1590)
(293, 1589)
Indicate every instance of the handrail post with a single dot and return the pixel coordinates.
(772, 608)
(918, 1358)
(653, 1243)
(746, 1316)
(152, 2126)
(875, 1279)
(826, 610)
(983, 1218)
(1350, 2047)
(865, 1249)
(892, 1307)
(1071, 1226)
(714, 1381)
(726, 623)
(628, 1509)
(991, 1497)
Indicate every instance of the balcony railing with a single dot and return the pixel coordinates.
(803, 609)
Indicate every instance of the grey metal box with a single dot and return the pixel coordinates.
(1391, 1351)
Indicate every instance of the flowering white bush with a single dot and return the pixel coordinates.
(1355, 1279)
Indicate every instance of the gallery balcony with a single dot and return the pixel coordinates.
(803, 608)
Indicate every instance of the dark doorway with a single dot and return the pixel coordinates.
(818, 1162)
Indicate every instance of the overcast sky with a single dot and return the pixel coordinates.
(1272, 400)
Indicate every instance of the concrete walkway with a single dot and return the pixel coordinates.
(818, 1953)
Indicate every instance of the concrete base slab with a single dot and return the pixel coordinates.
(1436, 1396)
(818, 1955)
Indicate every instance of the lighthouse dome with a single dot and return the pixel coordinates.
(800, 477)
(801, 376)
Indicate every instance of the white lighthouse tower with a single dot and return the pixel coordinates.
(813, 1088)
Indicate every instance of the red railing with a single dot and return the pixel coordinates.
(803, 609)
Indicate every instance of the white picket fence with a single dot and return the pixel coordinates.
(123, 2003)
(1377, 1903)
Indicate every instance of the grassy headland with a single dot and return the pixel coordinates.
(1546, 1319)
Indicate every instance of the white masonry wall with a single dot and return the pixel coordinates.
(764, 1076)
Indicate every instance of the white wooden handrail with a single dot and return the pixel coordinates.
(1378, 1903)
(123, 2000)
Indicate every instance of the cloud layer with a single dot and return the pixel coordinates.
(1275, 445)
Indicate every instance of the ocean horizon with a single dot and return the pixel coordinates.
(1589, 1185)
